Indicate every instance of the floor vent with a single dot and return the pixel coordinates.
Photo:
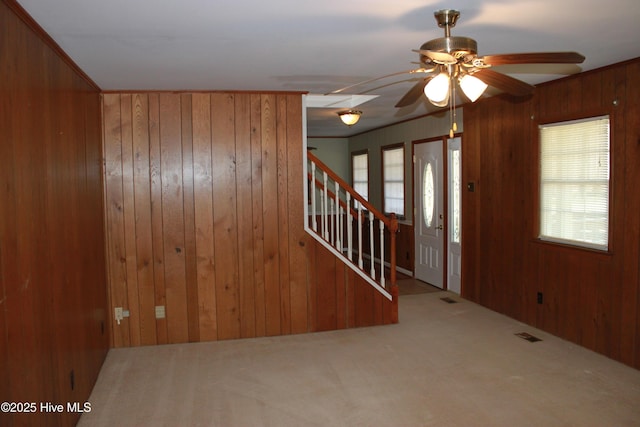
(528, 337)
(449, 300)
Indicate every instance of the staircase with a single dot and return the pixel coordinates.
(353, 230)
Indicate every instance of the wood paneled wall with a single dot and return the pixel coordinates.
(590, 298)
(53, 295)
(340, 298)
(204, 208)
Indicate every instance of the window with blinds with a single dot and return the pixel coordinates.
(393, 174)
(574, 182)
(360, 174)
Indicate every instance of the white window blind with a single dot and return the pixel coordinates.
(393, 172)
(360, 172)
(574, 182)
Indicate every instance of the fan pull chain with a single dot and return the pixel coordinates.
(452, 109)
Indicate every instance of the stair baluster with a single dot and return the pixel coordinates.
(338, 207)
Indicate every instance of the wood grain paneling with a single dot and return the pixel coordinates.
(340, 298)
(590, 298)
(53, 297)
(205, 215)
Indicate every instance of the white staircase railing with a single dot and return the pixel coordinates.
(349, 226)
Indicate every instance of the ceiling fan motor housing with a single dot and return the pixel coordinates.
(456, 46)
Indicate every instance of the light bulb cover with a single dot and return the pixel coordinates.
(472, 87)
(437, 90)
(350, 117)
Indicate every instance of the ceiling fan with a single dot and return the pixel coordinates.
(452, 59)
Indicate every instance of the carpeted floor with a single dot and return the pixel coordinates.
(444, 364)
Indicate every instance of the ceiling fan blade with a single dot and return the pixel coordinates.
(503, 82)
(437, 57)
(413, 94)
(414, 71)
(534, 58)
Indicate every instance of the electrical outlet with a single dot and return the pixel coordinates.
(160, 312)
(118, 314)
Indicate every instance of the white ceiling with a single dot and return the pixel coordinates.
(320, 46)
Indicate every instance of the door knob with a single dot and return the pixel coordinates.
(439, 227)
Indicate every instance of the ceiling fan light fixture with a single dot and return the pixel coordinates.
(437, 90)
(472, 87)
(350, 117)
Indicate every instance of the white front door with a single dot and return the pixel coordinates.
(454, 219)
(429, 215)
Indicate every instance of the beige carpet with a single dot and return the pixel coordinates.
(443, 365)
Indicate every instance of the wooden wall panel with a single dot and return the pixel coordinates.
(205, 216)
(203, 206)
(282, 212)
(299, 240)
(590, 298)
(53, 300)
(225, 215)
(173, 217)
(340, 298)
(270, 215)
(157, 237)
(404, 246)
(244, 174)
(186, 124)
(142, 207)
(129, 217)
(326, 303)
(257, 196)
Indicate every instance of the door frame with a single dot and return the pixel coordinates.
(445, 194)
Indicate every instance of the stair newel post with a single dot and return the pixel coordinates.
(382, 278)
(393, 230)
(325, 205)
(371, 244)
(360, 216)
(337, 219)
(349, 229)
(312, 191)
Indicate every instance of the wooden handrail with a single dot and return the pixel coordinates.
(390, 222)
(320, 184)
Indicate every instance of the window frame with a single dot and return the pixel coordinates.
(383, 149)
(537, 232)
